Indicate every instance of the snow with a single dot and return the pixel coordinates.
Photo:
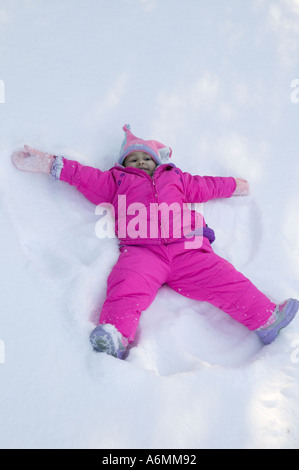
(217, 82)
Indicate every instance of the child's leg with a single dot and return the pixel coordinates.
(132, 286)
(203, 275)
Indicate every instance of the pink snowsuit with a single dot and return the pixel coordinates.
(150, 257)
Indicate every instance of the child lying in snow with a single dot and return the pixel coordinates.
(161, 252)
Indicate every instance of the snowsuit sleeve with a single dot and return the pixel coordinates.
(204, 188)
(96, 185)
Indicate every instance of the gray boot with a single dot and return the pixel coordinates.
(282, 316)
(106, 338)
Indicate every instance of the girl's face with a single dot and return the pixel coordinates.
(142, 161)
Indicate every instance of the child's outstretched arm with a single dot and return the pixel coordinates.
(96, 185)
(205, 188)
(33, 160)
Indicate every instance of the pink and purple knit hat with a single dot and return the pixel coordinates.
(159, 152)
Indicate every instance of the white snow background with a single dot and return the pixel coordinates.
(215, 80)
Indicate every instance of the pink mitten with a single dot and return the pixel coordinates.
(242, 188)
(32, 160)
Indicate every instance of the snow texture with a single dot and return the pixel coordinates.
(216, 81)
